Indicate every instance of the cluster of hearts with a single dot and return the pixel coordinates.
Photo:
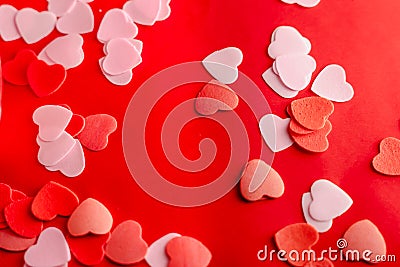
(117, 32)
(89, 236)
(59, 149)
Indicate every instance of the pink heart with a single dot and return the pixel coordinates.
(276, 84)
(51, 153)
(60, 7)
(79, 20)
(304, 3)
(122, 56)
(52, 121)
(116, 23)
(120, 79)
(321, 227)
(33, 25)
(144, 12)
(288, 40)
(12, 242)
(73, 163)
(155, 256)
(8, 28)
(51, 249)
(66, 51)
(136, 43)
(331, 84)
(295, 70)
(328, 201)
(274, 130)
(165, 10)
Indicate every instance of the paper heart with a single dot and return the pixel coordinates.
(156, 256)
(288, 40)
(44, 79)
(311, 112)
(17, 195)
(260, 180)
(51, 249)
(215, 96)
(187, 251)
(165, 10)
(51, 153)
(88, 250)
(61, 7)
(316, 141)
(274, 130)
(15, 71)
(223, 64)
(66, 51)
(321, 227)
(328, 201)
(97, 129)
(52, 121)
(21, 220)
(116, 23)
(5, 200)
(295, 70)
(120, 79)
(273, 36)
(54, 199)
(126, 245)
(8, 28)
(387, 161)
(304, 3)
(75, 125)
(143, 12)
(73, 164)
(33, 25)
(362, 236)
(11, 242)
(276, 84)
(296, 237)
(79, 20)
(331, 84)
(135, 42)
(122, 57)
(324, 263)
(90, 216)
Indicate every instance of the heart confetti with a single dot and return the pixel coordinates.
(75, 125)
(15, 71)
(156, 256)
(288, 40)
(187, 251)
(274, 130)
(60, 7)
(78, 20)
(11, 242)
(51, 153)
(316, 141)
(387, 161)
(274, 81)
(116, 23)
(8, 28)
(89, 250)
(143, 12)
(321, 226)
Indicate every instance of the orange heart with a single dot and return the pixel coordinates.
(187, 251)
(311, 112)
(294, 126)
(388, 160)
(316, 141)
(363, 236)
(259, 180)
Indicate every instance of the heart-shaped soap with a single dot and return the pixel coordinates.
(79, 20)
(156, 256)
(11, 242)
(316, 141)
(15, 71)
(274, 130)
(388, 160)
(187, 251)
(88, 250)
(116, 23)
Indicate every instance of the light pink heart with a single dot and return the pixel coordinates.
(78, 21)
(143, 12)
(274, 130)
(51, 249)
(116, 23)
(276, 84)
(60, 7)
(66, 50)
(328, 201)
(120, 79)
(156, 256)
(321, 227)
(287, 40)
(52, 121)
(135, 42)
(51, 153)
(165, 10)
(331, 84)
(73, 163)
(295, 70)
(33, 25)
(8, 28)
(122, 56)
(304, 3)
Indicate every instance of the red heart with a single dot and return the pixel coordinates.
(15, 71)
(296, 237)
(21, 220)
(126, 245)
(388, 160)
(76, 125)
(44, 79)
(5, 200)
(11, 242)
(88, 250)
(324, 263)
(187, 251)
(97, 129)
(316, 141)
(52, 200)
(17, 195)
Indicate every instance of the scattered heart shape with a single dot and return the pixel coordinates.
(33, 25)
(5, 200)
(328, 201)
(120, 79)
(79, 20)
(287, 40)
(88, 250)
(15, 71)
(223, 64)
(387, 161)
(90, 216)
(135, 42)
(165, 10)
(60, 7)
(126, 245)
(156, 256)
(8, 28)
(51, 249)
(274, 130)
(296, 128)
(296, 237)
(187, 251)
(17, 195)
(276, 84)
(303, 3)
(321, 227)
(97, 129)
(75, 125)
(116, 23)
(73, 164)
(260, 180)
(143, 12)
(11, 242)
(54, 199)
(66, 51)
(215, 96)
(51, 153)
(331, 84)
(316, 141)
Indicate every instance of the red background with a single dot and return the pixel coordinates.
(360, 35)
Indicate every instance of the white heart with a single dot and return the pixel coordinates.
(79, 20)
(144, 12)
(121, 79)
(287, 40)
(116, 23)
(66, 51)
(165, 10)
(156, 256)
(60, 7)
(33, 25)
(276, 84)
(274, 130)
(8, 28)
(73, 163)
(321, 227)
(135, 42)
(222, 64)
(51, 153)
